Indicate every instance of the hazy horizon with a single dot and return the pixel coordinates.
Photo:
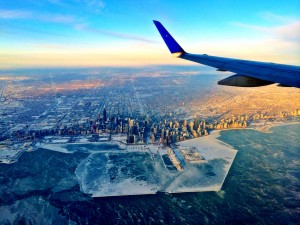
(113, 33)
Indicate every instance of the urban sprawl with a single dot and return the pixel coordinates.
(142, 109)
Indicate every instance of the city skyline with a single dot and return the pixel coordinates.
(101, 33)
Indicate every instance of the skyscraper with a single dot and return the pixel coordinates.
(104, 115)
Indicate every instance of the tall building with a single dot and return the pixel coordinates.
(130, 122)
(104, 115)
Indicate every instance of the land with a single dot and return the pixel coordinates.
(166, 116)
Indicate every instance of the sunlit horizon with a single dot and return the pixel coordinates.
(56, 33)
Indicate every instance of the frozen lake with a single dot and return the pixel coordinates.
(112, 169)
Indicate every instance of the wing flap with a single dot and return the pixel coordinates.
(243, 81)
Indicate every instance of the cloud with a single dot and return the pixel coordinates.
(286, 29)
(71, 20)
(56, 18)
(288, 32)
(14, 14)
(270, 16)
(84, 27)
(55, 1)
(95, 5)
(46, 17)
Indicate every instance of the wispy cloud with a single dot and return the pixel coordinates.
(74, 22)
(46, 17)
(14, 14)
(57, 18)
(278, 43)
(95, 5)
(84, 27)
(270, 16)
(287, 27)
(288, 32)
(55, 1)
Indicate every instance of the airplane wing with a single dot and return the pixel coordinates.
(247, 73)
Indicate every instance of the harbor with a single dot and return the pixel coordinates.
(115, 169)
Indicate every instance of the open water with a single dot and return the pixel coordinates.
(262, 187)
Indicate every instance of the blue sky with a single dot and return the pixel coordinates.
(117, 33)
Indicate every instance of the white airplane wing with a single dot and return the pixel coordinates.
(247, 73)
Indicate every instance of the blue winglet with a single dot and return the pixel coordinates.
(173, 46)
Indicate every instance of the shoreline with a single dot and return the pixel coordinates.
(59, 147)
(266, 128)
(262, 128)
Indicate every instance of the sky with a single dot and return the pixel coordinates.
(85, 33)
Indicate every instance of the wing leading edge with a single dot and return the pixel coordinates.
(247, 73)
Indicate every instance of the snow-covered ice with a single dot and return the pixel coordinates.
(114, 169)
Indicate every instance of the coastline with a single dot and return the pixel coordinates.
(265, 128)
(219, 157)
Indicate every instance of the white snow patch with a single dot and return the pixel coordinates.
(55, 147)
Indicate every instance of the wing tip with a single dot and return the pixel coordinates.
(171, 43)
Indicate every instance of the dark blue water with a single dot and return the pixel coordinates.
(93, 147)
(262, 187)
